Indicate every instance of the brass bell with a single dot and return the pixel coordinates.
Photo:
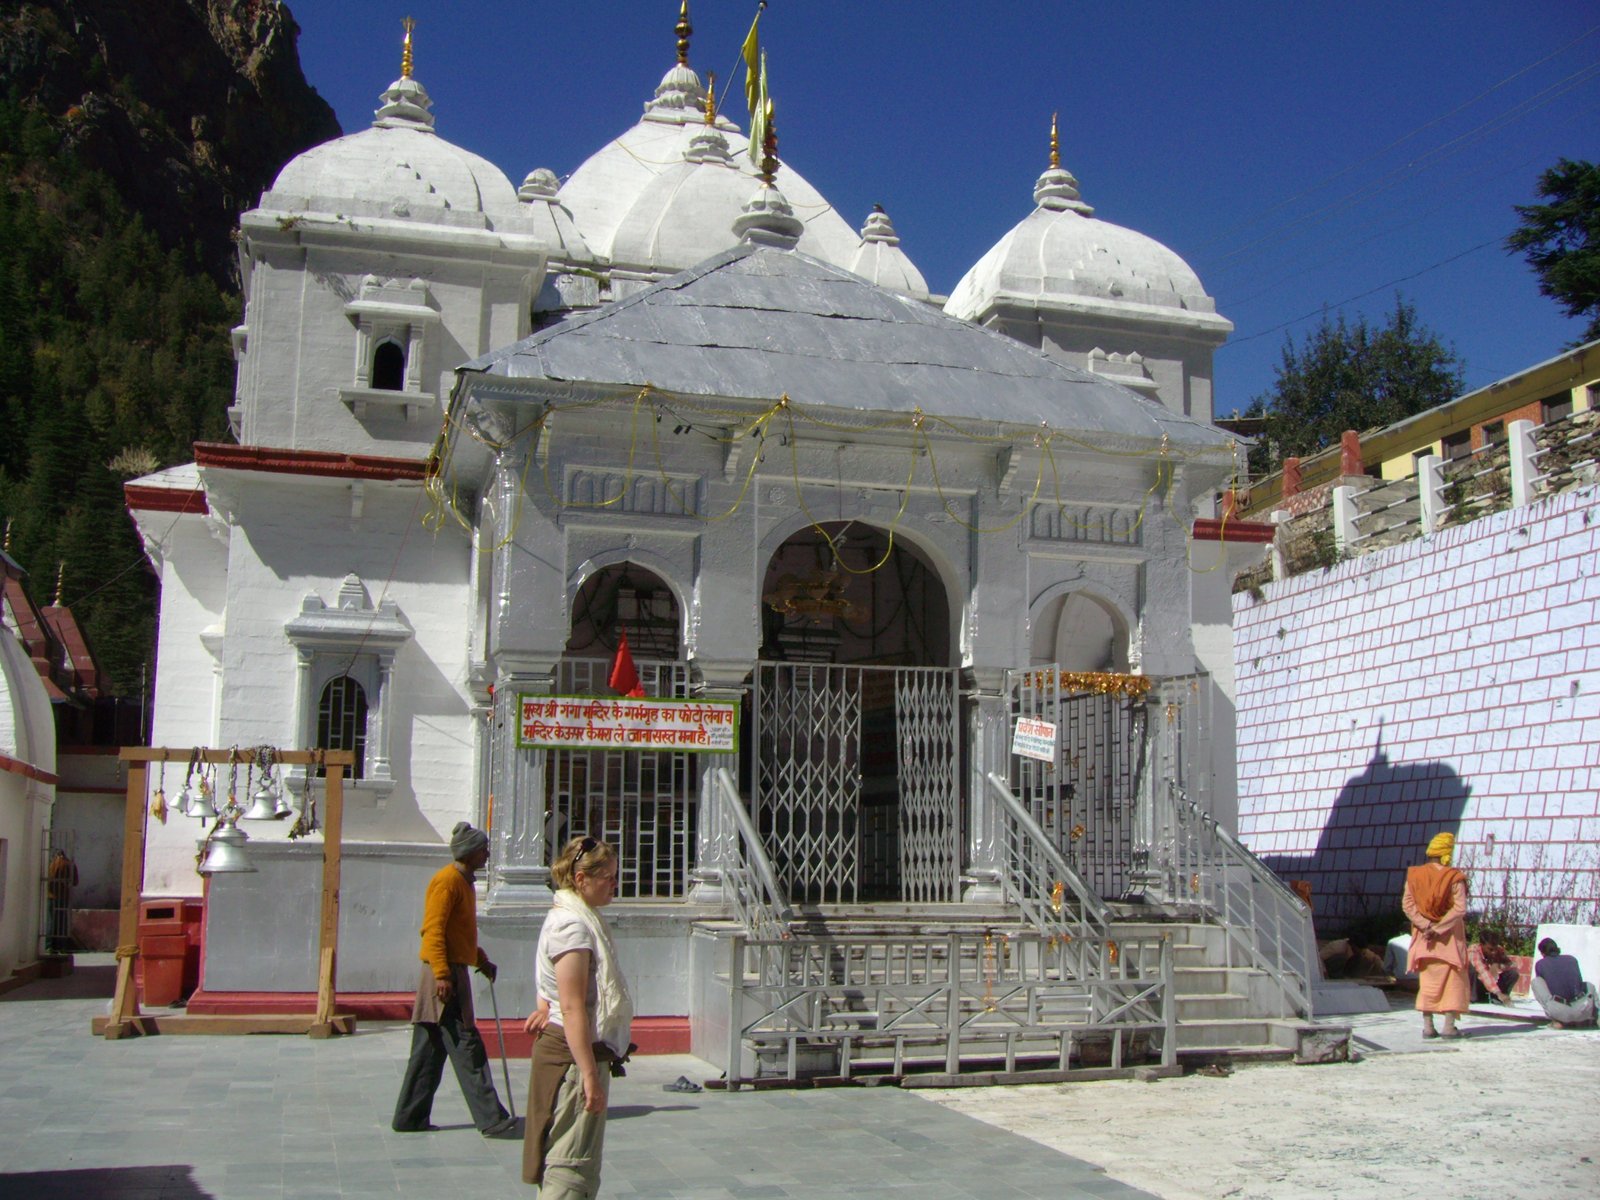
(263, 806)
(225, 851)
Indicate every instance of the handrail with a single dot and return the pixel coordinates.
(1258, 913)
(955, 997)
(1028, 840)
(759, 900)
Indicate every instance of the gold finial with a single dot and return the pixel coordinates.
(408, 24)
(684, 30)
(61, 575)
(1055, 144)
(711, 98)
(9, 522)
(769, 150)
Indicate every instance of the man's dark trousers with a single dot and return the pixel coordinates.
(430, 1044)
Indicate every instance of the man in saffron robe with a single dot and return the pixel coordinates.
(1435, 902)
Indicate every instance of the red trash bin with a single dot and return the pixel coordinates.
(164, 952)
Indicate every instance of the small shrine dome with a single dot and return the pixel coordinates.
(400, 168)
(1061, 257)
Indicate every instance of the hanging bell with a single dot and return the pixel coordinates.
(281, 806)
(201, 802)
(263, 806)
(226, 853)
(186, 801)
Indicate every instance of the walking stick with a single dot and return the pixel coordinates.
(505, 1067)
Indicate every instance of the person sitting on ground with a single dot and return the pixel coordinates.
(1494, 974)
(1435, 903)
(1559, 988)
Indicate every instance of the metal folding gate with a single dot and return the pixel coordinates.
(1089, 798)
(640, 801)
(854, 780)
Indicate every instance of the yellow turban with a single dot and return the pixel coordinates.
(1442, 847)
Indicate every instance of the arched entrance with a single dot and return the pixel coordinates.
(854, 735)
(640, 801)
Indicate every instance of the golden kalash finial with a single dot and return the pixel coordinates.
(1055, 144)
(7, 546)
(685, 31)
(769, 150)
(711, 98)
(61, 577)
(408, 24)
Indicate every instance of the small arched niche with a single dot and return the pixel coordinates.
(625, 596)
(1081, 632)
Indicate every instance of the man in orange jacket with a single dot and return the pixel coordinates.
(443, 1021)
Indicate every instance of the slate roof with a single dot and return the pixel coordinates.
(757, 323)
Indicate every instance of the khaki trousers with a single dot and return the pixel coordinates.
(572, 1151)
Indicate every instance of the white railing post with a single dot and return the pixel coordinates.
(1280, 566)
(1430, 493)
(1524, 476)
(1345, 513)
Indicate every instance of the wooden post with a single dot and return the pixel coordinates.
(125, 1019)
(326, 1024)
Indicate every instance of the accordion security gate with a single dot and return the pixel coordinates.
(855, 781)
(640, 801)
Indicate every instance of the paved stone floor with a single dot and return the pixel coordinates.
(247, 1118)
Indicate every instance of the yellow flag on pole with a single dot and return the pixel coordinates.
(752, 64)
(760, 114)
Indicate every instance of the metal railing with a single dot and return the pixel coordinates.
(759, 902)
(889, 1003)
(1036, 876)
(1262, 919)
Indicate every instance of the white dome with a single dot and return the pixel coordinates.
(638, 179)
(1061, 257)
(399, 168)
(879, 259)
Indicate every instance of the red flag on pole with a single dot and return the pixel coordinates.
(624, 675)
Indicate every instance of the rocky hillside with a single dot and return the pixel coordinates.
(132, 134)
(188, 107)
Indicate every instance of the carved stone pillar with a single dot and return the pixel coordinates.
(517, 790)
(988, 749)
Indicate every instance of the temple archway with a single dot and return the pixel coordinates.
(854, 734)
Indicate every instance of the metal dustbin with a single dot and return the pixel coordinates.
(163, 952)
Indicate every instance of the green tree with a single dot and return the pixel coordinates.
(1352, 375)
(1561, 239)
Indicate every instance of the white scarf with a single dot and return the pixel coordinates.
(613, 1017)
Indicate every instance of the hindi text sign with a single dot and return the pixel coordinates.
(626, 723)
(1034, 739)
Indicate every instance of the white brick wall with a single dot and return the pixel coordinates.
(1446, 685)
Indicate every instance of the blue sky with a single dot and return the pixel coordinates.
(1298, 157)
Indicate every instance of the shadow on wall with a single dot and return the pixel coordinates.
(1378, 826)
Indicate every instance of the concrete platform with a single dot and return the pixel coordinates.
(269, 1117)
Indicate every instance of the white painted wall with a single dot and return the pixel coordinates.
(27, 736)
(1445, 685)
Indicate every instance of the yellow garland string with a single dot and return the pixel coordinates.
(740, 423)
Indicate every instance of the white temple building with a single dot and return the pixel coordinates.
(481, 429)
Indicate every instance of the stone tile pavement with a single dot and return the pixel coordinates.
(253, 1118)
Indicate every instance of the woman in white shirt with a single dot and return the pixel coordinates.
(581, 1027)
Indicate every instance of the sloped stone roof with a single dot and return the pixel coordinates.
(758, 323)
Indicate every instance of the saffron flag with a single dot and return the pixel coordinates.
(624, 675)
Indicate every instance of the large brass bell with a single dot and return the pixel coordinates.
(225, 851)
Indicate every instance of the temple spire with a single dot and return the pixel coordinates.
(1057, 189)
(1055, 143)
(685, 31)
(406, 62)
(711, 98)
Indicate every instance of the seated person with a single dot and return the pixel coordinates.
(1559, 987)
(1493, 976)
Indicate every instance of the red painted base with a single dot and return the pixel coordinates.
(653, 1035)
